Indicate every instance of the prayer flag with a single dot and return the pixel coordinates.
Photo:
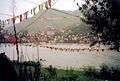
(97, 50)
(46, 5)
(102, 49)
(31, 11)
(3, 24)
(41, 7)
(15, 18)
(77, 4)
(34, 10)
(8, 20)
(25, 14)
(21, 18)
(0, 25)
(49, 2)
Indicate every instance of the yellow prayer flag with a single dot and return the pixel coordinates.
(41, 6)
(11, 30)
(15, 18)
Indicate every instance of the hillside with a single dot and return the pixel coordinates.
(54, 18)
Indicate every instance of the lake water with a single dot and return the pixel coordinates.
(62, 58)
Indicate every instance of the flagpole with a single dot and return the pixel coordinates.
(13, 53)
(27, 54)
(16, 39)
(38, 53)
(37, 46)
(0, 27)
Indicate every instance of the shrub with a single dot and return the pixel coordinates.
(105, 72)
(90, 71)
(115, 73)
(51, 71)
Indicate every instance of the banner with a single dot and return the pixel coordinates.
(8, 20)
(15, 18)
(0, 25)
(49, 3)
(3, 23)
(20, 17)
(46, 5)
(76, 49)
(41, 6)
(31, 11)
(34, 10)
(26, 14)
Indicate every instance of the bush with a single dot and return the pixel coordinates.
(51, 71)
(105, 72)
(33, 71)
(90, 71)
(115, 73)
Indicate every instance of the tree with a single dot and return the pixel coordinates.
(104, 16)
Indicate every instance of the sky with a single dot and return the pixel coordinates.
(23, 6)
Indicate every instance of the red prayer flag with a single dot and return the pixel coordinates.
(21, 18)
(49, 2)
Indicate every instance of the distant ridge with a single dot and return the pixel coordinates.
(51, 18)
